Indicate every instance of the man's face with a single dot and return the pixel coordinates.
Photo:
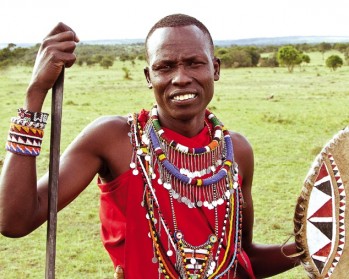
(182, 71)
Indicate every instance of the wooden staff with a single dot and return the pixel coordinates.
(56, 120)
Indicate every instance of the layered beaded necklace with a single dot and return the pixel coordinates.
(197, 177)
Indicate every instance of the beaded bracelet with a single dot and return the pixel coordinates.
(25, 122)
(26, 133)
(22, 149)
(37, 117)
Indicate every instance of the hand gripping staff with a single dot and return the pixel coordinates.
(55, 139)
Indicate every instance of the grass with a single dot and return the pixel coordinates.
(286, 117)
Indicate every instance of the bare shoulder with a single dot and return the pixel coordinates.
(107, 133)
(242, 146)
(114, 123)
(106, 128)
(106, 138)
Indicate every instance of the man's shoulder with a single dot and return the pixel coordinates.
(238, 138)
(108, 125)
(241, 143)
(110, 121)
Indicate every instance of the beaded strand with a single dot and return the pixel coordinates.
(146, 158)
(26, 133)
(199, 150)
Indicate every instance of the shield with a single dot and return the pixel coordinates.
(321, 215)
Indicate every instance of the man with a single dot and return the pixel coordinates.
(175, 184)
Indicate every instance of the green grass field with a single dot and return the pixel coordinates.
(286, 117)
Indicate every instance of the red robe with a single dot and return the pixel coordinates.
(125, 229)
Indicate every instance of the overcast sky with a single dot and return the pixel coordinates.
(28, 21)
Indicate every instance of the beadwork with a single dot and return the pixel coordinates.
(218, 186)
(211, 146)
(26, 133)
(37, 117)
(166, 153)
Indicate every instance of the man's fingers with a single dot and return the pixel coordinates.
(63, 28)
(68, 59)
(59, 52)
(119, 273)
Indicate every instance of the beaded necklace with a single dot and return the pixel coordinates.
(204, 169)
(158, 157)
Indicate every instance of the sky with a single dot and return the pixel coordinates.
(29, 21)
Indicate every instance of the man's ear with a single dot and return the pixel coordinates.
(217, 68)
(147, 77)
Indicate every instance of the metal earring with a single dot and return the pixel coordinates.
(150, 86)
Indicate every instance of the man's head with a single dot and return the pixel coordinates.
(182, 68)
(178, 20)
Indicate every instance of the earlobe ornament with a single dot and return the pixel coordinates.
(150, 86)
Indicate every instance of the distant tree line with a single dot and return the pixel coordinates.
(231, 56)
(13, 55)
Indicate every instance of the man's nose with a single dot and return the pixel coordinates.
(181, 76)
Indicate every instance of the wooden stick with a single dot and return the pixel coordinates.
(56, 120)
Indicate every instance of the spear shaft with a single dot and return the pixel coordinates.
(55, 140)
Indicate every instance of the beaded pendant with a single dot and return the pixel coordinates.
(195, 261)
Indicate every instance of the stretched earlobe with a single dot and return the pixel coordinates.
(217, 66)
(146, 74)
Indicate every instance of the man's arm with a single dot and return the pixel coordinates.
(23, 201)
(267, 260)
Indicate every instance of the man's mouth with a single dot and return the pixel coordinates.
(184, 97)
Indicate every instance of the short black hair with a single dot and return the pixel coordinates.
(178, 20)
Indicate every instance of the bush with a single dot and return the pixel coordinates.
(270, 61)
(289, 56)
(334, 62)
(106, 62)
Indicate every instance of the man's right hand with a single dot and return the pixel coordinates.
(56, 51)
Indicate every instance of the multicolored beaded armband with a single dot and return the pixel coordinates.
(26, 133)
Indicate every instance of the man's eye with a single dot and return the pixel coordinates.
(195, 63)
(164, 67)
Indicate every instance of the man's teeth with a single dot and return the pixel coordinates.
(184, 97)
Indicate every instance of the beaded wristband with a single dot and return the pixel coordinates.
(26, 130)
(26, 133)
(23, 149)
(25, 139)
(25, 122)
(36, 117)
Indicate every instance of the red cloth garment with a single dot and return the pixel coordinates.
(125, 229)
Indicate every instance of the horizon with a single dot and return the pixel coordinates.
(283, 39)
(30, 21)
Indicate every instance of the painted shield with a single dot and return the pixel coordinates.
(321, 216)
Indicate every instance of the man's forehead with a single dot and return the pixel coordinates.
(169, 35)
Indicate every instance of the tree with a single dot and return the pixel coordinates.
(289, 56)
(334, 62)
(341, 47)
(241, 58)
(226, 60)
(7, 55)
(346, 55)
(106, 62)
(254, 54)
(270, 61)
(306, 58)
(127, 73)
(323, 47)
